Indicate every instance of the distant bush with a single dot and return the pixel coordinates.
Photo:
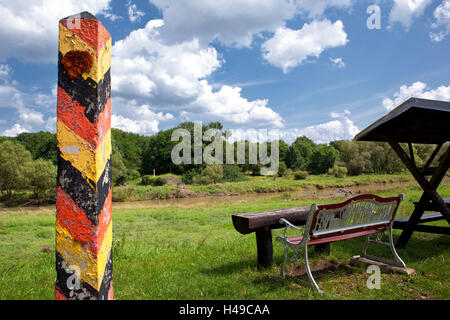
(133, 174)
(214, 172)
(201, 180)
(282, 169)
(232, 173)
(158, 181)
(122, 194)
(189, 175)
(149, 180)
(338, 172)
(300, 175)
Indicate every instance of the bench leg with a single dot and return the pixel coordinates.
(308, 271)
(264, 247)
(390, 244)
(394, 252)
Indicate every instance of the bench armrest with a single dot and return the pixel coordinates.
(289, 225)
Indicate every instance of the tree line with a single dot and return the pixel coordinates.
(29, 160)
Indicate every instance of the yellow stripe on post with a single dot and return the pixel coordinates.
(89, 161)
(91, 267)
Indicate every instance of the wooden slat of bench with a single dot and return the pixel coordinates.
(296, 240)
(247, 223)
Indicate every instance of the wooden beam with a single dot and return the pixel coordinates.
(247, 223)
(427, 229)
(429, 187)
(433, 155)
(411, 153)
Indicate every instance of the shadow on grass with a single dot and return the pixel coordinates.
(421, 247)
(237, 266)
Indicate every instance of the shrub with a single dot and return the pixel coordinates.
(189, 175)
(201, 180)
(282, 169)
(300, 175)
(214, 172)
(232, 173)
(149, 180)
(133, 174)
(158, 181)
(146, 180)
(122, 194)
(338, 172)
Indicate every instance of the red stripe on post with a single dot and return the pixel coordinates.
(71, 113)
(73, 219)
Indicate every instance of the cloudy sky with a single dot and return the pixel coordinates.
(305, 67)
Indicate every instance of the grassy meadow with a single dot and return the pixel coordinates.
(181, 249)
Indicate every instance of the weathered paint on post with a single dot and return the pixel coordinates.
(83, 208)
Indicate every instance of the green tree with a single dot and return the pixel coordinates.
(322, 159)
(15, 161)
(42, 175)
(118, 168)
(284, 151)
(131, 147)
(34, 141)
(300, 153)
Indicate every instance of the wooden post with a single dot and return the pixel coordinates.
(264, 247)
(83, 208)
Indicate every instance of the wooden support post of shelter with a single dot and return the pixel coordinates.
(83, 208)
(418, 121)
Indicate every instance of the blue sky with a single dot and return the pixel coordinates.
(305, 67)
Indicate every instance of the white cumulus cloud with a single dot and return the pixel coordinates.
(172, 76)
(442, 20)
(405, 11)
(416, 90)
(289, 48)
(341, 128)
(35, 23)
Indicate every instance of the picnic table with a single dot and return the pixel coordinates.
(425, 122)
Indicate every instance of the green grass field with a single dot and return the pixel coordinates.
(192, 251)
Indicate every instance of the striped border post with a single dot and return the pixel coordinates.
(83, 208)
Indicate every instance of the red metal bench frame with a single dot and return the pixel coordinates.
(363, 215)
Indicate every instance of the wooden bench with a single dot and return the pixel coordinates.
(262, 224)
(363, 215)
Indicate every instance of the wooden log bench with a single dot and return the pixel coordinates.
(364, 215)
(263, 222)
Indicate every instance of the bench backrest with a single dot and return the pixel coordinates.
(361, 213)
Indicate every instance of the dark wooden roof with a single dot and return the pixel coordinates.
(415, 120)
